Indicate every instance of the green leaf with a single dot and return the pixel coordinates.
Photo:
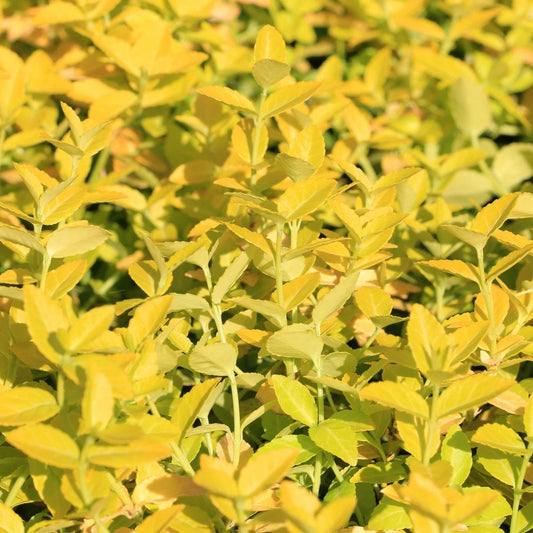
(73, 240)
(10, 522)
(357, 420)
(160, 521)
(380, 472)
(336, 437)
(134, 453)
(229, 97)
(389, 515)
(528, 417)
(47, 444)
(304, 197)
(305, 446)
(90, 326)
(297, 290)
(464, 341)
(148, 318)
(269, 44)
(24, 405)
(21, 237)
(500, 437)
(470, 106)
(295, 400)
(474, 238)
(456, 450)
(513, 163)
(493, 215)
(230, 276)
(373, 301)
(503, 466)
(396, 396)
(217, 359)
(505, 263)
(291, 341)
(287, 97)
(427, 340)
(271, 310)
(335, 298)
(469, 392)
(267, 72)
(296, 168)
(524, 522)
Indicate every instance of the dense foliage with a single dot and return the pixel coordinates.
(266, 265)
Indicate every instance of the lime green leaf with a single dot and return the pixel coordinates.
(373, 301)
(493, 215)
(470, 392)
(132, 454)
(389, 515)
(396, 396)
(230, 276)
(21, 237)
(456, 450)
(295, 400)
(229, 97)
(336, 437)
(513, 164)
(24, 405)
(335, 298)
(291, 341)
(464, 341)
(474, 238)
(97, 403)
(296, 168)
(73, 240)
(297, 290)
(267, 72)
(287, 97)
(501, 437)
(470, 107)
(505, 263)
(524, 522)
(333, 516)
(269, 44)
(10, 522)
(455, 267)
(90, 326)
(304, 197)
(217, 359)
(381, 472)
(503, 466)
(265, 469)
(148, 318)
(160, 521)
(47, 444)
(308, 145)
(271, 310)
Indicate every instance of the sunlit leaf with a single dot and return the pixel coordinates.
(295, 400)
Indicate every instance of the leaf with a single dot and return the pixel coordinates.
(287, 97)
(464, 341)
(456, 450)
(389, 515)
(304, 197)
(269, 44)
(469, 105)
(427, 340)
(501, 437)
(469, 392)
(308, 145)
(524, 521)
(148, 318)
(65, 277)
(98, 403)
(295, 400)
(145, 275)
(217, 477)
(293, 343)
(297, 290)
(472, 503)
(336, 437)
(217, 359)
(229, 97)
(190, 405)
(21, 237)
(160, 521)
(271, 310)
(47, 444)
(267, 72)
(493, 215)
(73, 240)
(528, 417)
(23, 405)
(373, 301)
(503, 466)
(251, 237)
(454, 266)
(505, 263)
(473, 238)
(136, 452)
(297, 169)
(513, 163)
(10, 522)
(464, 158)
(397, 396)
(90, 326)
(265, 469)
(230, 276)
(31, 177)
(335, 298)
(336, 514)
(377, 71)
(380, 472)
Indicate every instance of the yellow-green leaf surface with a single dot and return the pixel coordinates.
(456, 450)
(287, 97)
(10, 522)
(21, 237)
(229, 97)
(427, 340)
(474, 238)
(217, 359)
(267, 72)
(291, 341)
(309, 146)
(336, 437)
(304, 197)
(229, 277)
(295, 400)
(297, 290)
(469, 392)
(269, 44)
(134, 453)
(90, 326)
(396, 396)
(160, 521)
(73, 240)
(528, 417)
(373, 301)
(65, 277)
(500, 437)
(455, 267)
(218, 477)
(470, 107)
(265, 469)
(46, 444)
(493, 215)
(335, 515)
(24, 405)
(335, 298)
(148, 318)
(98, 402)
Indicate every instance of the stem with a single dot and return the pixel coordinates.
(517, 496)
(439, 297)
(82, 469)
(237, 432)
(432, 426)
(15, 489)
(487, 294)
(258, 125)
(320, 404)
(179, 456)
(241, 515)
(217, 312)
(279, 272)
(44, 271)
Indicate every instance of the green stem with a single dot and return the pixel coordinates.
(181, 458)
(487, 295)
(320, 404)
(237, 432)
(15, 489)
(241, 515)
(256, 142)
(44, 270)
(279, 272)
(82, 470)
(433, 426)
(517, 496)
(217, 313)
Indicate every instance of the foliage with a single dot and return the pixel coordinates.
(266, 266)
